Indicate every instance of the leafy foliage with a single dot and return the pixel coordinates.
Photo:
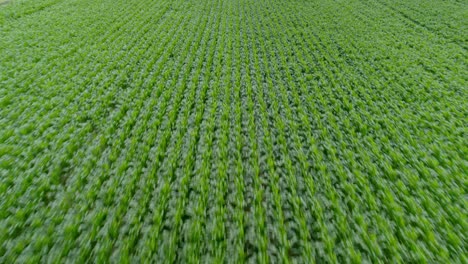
(233, 131)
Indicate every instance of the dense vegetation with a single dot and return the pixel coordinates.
(233, 130)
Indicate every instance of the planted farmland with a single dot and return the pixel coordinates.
(239, 131)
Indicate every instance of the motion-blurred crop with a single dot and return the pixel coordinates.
(211, 131)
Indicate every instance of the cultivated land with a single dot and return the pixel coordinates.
(234, 131)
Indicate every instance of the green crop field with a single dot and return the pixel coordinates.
(232, 131)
